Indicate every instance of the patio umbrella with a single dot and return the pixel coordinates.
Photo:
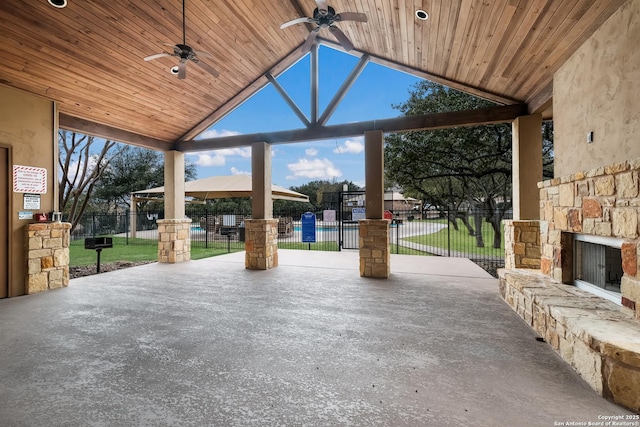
(224, 187)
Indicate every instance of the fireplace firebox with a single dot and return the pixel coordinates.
(598, 265)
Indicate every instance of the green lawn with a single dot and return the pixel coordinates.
(147, 250)
(136, 250)
(460, 240)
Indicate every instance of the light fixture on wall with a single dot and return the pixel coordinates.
(422, 15)
(58, 3)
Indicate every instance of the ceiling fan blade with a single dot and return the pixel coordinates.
(322, 5)
(341, 37)
(351, 16)
(156, 56)
(296, 21)
(182, 70)
(203, 53)
(208, 68)
(306, 47)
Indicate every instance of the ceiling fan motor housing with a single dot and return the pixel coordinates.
(324, 18)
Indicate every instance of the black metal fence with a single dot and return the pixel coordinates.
(477, 235)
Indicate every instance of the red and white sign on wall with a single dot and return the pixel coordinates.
(29, 179)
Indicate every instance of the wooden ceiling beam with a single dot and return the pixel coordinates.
(541, 101)
(88, 127)
(500, 114)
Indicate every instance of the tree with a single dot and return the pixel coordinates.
(134, 169)
(82, 161)
(323, 194)
(459, 169)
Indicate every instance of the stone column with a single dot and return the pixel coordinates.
(527, 166)
(47, 250)
(174, 240)
(521, 244)
(374, 248)
(174, 231)
(374, 231)
(261, 232)
(261, 244)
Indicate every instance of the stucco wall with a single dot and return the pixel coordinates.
(27, 127)
(598, 90)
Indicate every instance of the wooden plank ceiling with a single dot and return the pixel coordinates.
(89, 56)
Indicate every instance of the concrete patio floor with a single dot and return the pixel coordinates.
(309, 343)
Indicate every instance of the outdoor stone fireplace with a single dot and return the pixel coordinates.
(603, 202)
(589, 231)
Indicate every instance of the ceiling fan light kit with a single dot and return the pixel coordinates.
(325, 16)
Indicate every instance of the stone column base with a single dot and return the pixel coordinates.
(374, 248)
(261, 244)
(174, 240)
(522, 244)
(47, 247)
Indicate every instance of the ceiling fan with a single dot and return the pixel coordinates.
(185, 53)
(325, 16)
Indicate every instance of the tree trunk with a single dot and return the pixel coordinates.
(451, 217)
(497, 236)
(477, 218)
(465, 220)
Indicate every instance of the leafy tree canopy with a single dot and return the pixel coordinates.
(323, 194)
(134, 169)
(464, 167)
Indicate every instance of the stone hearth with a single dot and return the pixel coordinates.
(601, 340)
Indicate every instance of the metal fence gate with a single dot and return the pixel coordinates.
(352, 209)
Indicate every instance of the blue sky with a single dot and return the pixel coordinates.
(370, 97)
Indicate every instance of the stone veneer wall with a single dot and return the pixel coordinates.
(522, 247)
(601, 202)
(174, 240)
(47, 250)
(261, 244)
(374, 248)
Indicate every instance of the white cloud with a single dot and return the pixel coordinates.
(212, 133)
(236, 171)
(353, 146)
(311, 152)
(313, 169)
(219, 157)
(210, 160)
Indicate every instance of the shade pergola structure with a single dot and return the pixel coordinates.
(223, 187)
